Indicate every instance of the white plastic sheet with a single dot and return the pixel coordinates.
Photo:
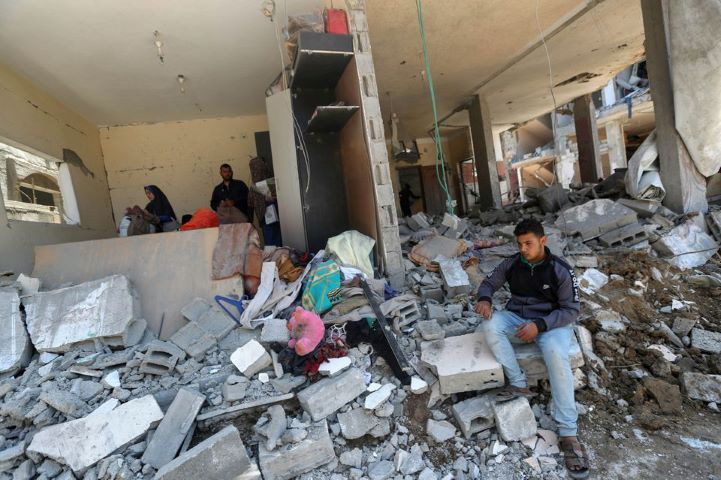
(643, 181)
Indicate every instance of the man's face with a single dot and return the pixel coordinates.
(532, 247)
(226, 173)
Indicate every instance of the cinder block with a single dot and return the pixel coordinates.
(216, 323)
(161, 358)
(474, 415)
(328, 395)
(624, 236)
(463, 363)
(193, 340)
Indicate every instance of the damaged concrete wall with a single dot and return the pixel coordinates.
(31, 118)
(182, 158)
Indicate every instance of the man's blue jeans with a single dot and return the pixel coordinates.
(555, 344)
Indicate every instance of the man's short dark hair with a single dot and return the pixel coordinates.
(225, 165)
(529, 225)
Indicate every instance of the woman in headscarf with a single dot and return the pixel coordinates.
(259, 171)
(159, 206)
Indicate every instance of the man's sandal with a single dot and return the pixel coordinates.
(576, 458)
(510, 392)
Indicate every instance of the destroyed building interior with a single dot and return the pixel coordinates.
(344, 198)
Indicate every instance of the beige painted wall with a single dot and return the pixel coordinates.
(182, 158)
(31, 118)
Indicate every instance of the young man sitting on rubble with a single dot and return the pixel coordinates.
(543, 308)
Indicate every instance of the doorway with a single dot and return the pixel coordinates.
(412, 176)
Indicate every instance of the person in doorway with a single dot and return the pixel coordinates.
(543, 307)
(264, 204)
(230, 198)
(159, 206)
(407, 196)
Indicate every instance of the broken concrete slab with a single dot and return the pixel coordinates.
(289, 461)
(275, 330)
(463, 363)
(64, 402)
(193, 340)
(375, 399)
(474, 415)
(15, 347)
(107, 310)
(706, 341)
(251, 358)
(219, 457)
(214, 416)
(686, 246)
(515, 420)
(174, 427)
(699, 386)
(329, 394)
(334, 366)
(92, 438)
(357, 422)
(440, 431)
(430, 330)
(161, 358)
(594, 218)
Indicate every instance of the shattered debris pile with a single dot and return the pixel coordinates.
(330, 373)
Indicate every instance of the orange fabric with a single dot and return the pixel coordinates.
(202, 218)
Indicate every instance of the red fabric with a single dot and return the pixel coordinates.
(321, 355)
(202, 218)
(335, 21)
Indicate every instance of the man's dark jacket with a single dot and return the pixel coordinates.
(545, 293)
(236, 191)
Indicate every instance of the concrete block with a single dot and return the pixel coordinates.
(408, 313)
(289, 461)
(455, 279)
(173, 429)
(219, 457)
(87, 440)
(474, 415)
(594, 218)
(705, 340)
(251, 358)
(275, 330)
(463, 363)
(329, 394)
(193, 340)
(216, 322)
(702, 387)
(195, 309)
(430, 330)
(530, 358)
(161, 358)
(624, 236)
(107, 310)
(643, 208)
(15, 347)
(432, 293)
(515, 420)
(357, 422)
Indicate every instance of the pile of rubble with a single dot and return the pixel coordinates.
(397, 384)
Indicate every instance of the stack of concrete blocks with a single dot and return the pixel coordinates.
(105, 311)
(15, 347)
(389, 242)
(207, 325)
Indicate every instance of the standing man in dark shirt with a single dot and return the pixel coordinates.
(230, 193)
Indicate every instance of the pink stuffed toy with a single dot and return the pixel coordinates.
(306, 331)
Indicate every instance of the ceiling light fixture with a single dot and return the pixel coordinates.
(159, 46)
(181, 82)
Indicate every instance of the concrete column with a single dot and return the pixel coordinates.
(616, 141)
(12, 180)
(685, 186)
(489, 189)
(589, 156)
(509, 147)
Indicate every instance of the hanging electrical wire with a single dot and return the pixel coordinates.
(440, 158)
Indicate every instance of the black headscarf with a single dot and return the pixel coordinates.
(160, 205)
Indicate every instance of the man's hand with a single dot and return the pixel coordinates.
(527, 332)
(485, 309)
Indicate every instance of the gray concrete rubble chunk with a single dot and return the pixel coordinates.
(173, 428)
(289, 461)
(65, 402)
(702, 387)
(193, 340)
(683, 326)
(594, 218)
(440, 431)
(357, 422)
(274, 429)
(87, 440)
(220, 457)
(705, 340)
(463, 363)
(251, 358)
(455, 279)
(161, 358)
(195, 309)
(352, 458)
(15, 347)
(275, 330)
(414, 463)
(107, 310)
(430, 330)
(474, 415)
(328, 395)
(515, 420)
(10, 454)
(235, 388)
(380, 470)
